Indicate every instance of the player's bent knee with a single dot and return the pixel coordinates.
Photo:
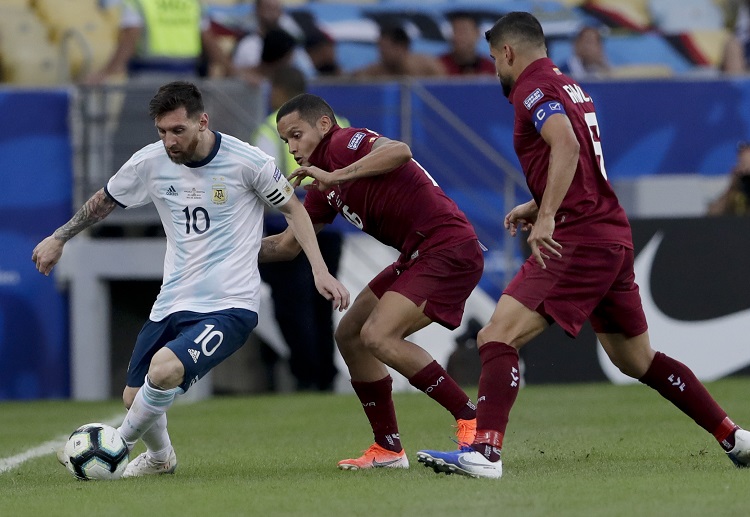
(372, 338)
(166, 370)
(494, 333)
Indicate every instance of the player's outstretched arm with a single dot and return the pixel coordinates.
(48, 252)
(279, 248)
(304, 233)
(385, 155)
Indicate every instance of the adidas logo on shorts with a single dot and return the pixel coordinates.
(194, 354)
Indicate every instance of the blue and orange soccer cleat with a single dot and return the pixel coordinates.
(465, 461)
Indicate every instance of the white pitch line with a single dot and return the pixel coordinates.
(50, 447)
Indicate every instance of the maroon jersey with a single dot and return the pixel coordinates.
(590, 212)
(403, 208)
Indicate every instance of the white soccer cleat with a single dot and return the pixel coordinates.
(465, 461)
(143, 465)
(740, 453)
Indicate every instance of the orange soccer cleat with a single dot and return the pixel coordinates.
(376, 457)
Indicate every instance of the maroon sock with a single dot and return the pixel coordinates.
(378, 405)
(436, 383)
(498, 389)
(678, 384)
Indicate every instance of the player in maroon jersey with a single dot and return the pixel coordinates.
(581, 266)
(377, 186)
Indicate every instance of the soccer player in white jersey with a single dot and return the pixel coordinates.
(208, 188)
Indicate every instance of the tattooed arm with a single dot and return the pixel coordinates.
(48, 252)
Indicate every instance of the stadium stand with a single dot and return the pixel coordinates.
(81, 30)
(64, 38)
(27, 56)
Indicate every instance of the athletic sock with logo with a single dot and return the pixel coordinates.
(439, 386)
(498, 389)
(377, 401)
(678, 384)
(149, 405)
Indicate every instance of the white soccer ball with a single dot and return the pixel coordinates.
(96, 451)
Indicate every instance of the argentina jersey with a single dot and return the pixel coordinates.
(212, 213)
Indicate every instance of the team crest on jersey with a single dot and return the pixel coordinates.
(355, 141)
(219, 193)
(533, 98)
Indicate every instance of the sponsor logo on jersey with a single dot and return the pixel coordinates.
(356, 140)
(194, 193)
(555, 106)
(219, 193)
(533, 98)
(276, 174)
(171, 191)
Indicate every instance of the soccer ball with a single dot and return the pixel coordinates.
(96, 451)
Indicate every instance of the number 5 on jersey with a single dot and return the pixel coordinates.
(593, 125)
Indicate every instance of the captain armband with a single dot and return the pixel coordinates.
(544, 111)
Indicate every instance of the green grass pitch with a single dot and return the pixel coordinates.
(577, 450)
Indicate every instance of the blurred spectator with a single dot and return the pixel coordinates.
(397, 59)
(163, 38)
(463, 58)
(248, 55)
(737, 48)
(305, 318)
(279, 49)
(588, 58)
(322, 51)
(735, 200)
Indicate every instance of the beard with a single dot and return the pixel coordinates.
(186, 155)
(507, 84)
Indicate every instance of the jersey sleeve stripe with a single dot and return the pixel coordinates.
(275, 197)
(106, 191)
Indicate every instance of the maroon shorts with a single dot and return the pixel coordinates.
(445, 278)
(589, 282)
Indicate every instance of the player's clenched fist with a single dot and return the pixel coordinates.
(47, 253)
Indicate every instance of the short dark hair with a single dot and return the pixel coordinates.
(310, 108)
(290, 79)
(517, 24)
(462, 14)
(397, 34)
(174, 95)
(277, 44)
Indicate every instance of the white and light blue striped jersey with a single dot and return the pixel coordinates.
(212, 214)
